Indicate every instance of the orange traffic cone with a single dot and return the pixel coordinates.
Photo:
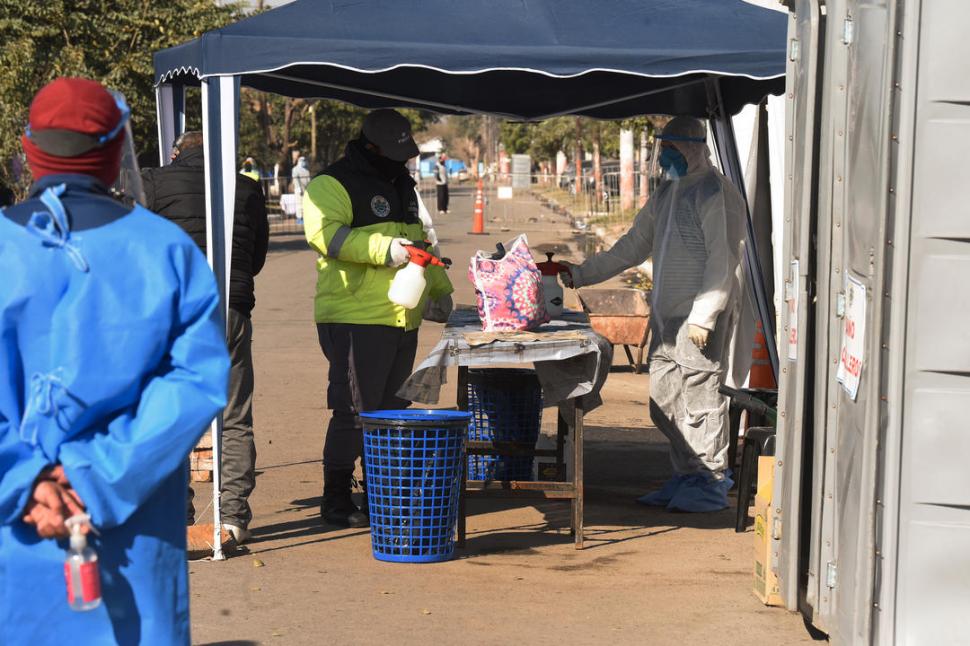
(478, 220)
(760, 376)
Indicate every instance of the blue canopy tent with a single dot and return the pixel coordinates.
(522, 59)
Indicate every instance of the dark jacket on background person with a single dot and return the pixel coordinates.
(177, 191)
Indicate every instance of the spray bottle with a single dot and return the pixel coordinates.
(81, 567)
(551, 288)
(408, 285)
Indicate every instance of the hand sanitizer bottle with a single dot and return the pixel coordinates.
(81, 568)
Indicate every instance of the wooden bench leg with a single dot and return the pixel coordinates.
(578, 475)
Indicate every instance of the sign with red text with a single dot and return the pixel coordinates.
(852, 354)
(793, 312)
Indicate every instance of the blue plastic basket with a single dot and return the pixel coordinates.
(413, 461)
(506, 405)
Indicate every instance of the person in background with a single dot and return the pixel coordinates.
(360, 216)
(249, 169)
(301, 177)
(441, 183)
(693, 228)
(177, 191)
(114, 362)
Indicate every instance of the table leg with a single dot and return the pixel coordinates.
(562, 429)
(578, 475)
(462, 405)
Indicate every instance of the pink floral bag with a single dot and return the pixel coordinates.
(509, 289)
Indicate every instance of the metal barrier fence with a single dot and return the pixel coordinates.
(283, 205)
(581, 200)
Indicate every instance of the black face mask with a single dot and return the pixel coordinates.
(388, 168)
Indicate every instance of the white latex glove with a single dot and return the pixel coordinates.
(566, 276)
(698, 335)
(439, 310)
(397, 255)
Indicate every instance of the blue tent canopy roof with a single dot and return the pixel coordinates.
(525, 59)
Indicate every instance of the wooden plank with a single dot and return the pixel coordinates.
(484, 447)
(518, 485)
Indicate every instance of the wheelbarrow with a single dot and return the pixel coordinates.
(621, 316)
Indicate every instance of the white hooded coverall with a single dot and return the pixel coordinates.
(693, 227)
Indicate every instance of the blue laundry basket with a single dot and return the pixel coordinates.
(506, 405)
(413, 461)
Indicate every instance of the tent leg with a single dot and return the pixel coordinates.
(220, 119)
(170, 113)
(728, 152)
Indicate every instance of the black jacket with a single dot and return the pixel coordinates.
(177, 191)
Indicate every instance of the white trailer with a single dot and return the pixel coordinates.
(872, 485)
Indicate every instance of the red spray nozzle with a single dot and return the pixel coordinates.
(550, 267)
(423, 258)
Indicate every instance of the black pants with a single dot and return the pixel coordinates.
(442, 197)
(368, 364)
(238, 477)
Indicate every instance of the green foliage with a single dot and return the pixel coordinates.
(111, 41)
(273, 127)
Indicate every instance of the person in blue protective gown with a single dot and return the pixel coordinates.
(114, 361)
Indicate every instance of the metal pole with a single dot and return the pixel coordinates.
(727, 148)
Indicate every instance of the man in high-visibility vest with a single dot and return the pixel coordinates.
(361, 215)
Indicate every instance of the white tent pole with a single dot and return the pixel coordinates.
(220, 110)
(170, 114)
(728, 152)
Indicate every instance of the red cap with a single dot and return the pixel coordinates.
(74, 105)
(550, 267)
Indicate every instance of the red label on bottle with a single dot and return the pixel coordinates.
(90, 582)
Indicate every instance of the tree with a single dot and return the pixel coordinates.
(111, 41)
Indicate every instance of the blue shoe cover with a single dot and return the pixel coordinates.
(701, 493)
(661, 497)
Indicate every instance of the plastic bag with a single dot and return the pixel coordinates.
(509, 289)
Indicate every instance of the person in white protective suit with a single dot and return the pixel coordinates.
(301, 177)
(693, 227)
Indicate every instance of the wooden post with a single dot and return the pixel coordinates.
(578, 474)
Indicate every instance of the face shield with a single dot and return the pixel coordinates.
(128, 187)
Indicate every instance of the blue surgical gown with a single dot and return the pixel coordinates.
(114, 362)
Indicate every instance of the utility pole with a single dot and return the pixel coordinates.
(626, 169)
(644, 178)
(313, 131)
(577, 188)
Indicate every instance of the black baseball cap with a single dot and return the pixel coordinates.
(391, 131)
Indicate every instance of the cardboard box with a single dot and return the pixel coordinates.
(766, 480)
(765, 580)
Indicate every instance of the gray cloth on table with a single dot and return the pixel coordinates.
(567, 366)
